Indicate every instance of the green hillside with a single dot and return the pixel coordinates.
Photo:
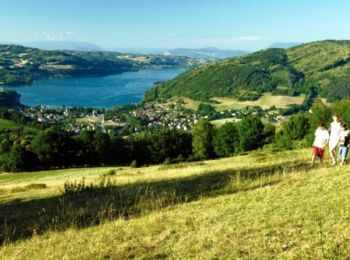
(7, 124)
(21, 65)
(259, 206)
(324, 65)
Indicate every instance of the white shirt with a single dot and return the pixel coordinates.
(321, 138)
(335, 130)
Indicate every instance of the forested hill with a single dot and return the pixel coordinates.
(21, 65)
(323, 65)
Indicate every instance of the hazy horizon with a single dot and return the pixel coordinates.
(167, 24)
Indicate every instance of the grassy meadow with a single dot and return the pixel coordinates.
(263, 205)
(267, 100)
(7, 124)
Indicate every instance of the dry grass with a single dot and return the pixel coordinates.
(224, 103)
(291, 212)
(220, 122)
(266, 101)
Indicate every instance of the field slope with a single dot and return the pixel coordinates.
(259, 206)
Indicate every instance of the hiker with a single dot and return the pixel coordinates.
(334, 138)
(343, 143)
(321, 140)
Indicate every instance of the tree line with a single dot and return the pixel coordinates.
(51, 148)
(54, 148)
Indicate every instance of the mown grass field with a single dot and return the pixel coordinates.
(266, 101)
(223, 103)
(220, 122)
(258, 206)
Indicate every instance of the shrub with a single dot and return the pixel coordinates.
(134, 164)
(111, 172)
(167, 161)
(36, 186)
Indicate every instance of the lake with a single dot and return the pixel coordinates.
(102, 92)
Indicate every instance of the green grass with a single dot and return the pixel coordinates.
(258, 206)
(7, 124)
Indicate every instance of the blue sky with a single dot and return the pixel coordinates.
(229, 24)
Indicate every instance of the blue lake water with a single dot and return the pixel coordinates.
(103, 92)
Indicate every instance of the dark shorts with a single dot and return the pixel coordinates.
(319, 152)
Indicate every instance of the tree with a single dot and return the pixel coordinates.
(87, 155)
(226, 140)
(202, 140)
(342, 107)
(19, 159)
(9, 98)
(55, 148)
(251, 133)
(293, 130)
(296, 127)
(339, 90)
(170, 144)
(139, 149)
(205, 109)
(319, 113)
(103, 148)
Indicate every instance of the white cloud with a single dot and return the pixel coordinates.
(71, 33)
(53, 36)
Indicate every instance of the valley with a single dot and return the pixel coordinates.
(174, 129)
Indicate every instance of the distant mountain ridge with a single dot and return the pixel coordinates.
(202, 53)
(209, 53)
(64, 45)
(323, 66)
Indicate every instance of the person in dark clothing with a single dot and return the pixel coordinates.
(343, 143)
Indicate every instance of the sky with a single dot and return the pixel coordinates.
(228, 24)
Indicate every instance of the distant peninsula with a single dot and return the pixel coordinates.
(21, 65)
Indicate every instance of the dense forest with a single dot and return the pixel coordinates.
(323, 65)
(9, 99)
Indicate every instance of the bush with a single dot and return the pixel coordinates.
(134, 164)
(111, 172)
(167, 161)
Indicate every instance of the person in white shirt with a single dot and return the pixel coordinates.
(334, 138)
(321, 140)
